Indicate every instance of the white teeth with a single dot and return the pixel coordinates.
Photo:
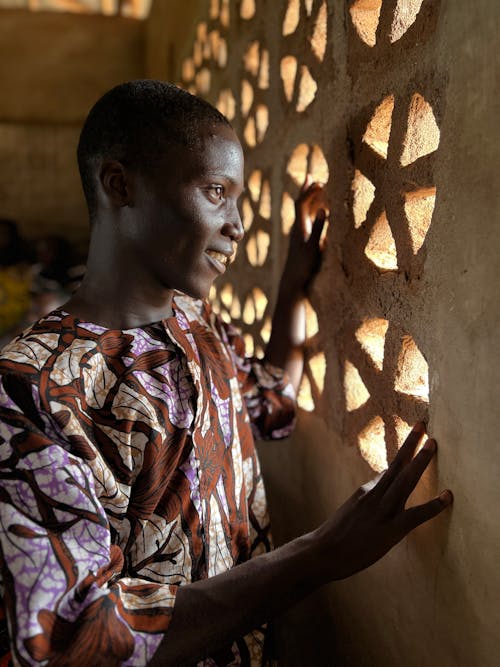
(218, 256)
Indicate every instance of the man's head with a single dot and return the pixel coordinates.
(134, 124)
(162, 171)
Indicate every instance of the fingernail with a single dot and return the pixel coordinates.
(446, 497)
(430, 445)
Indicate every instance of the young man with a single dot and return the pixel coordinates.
(133, 519)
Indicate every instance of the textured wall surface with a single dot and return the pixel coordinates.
(53, 67)
(393, 103)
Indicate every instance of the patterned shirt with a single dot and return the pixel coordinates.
(127, 469)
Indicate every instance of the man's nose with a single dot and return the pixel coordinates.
(233, 227)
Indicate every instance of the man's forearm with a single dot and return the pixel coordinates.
(285, 347)
(211, 613)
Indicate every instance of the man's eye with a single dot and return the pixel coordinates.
(217, 192)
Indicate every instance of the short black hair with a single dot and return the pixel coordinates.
(133, 121)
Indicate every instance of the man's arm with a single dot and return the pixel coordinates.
(285, 347)
(209, 614)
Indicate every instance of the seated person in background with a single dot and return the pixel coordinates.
(15, 279)
(134, 527)
(56, 275)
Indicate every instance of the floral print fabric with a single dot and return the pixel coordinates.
(127, 469)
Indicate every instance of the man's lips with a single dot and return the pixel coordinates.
(220, 259)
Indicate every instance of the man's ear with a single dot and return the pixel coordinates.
(115, 182)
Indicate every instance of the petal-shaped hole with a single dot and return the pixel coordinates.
(246, 97)
(265, 332)
(222, 53)
(304, 398)
(381, 247)
(260, 301)
(422, 135)
(255, 184)
(261, 121)
(247, 214)
(251, 58)
(235, 308)
(412, 374)
(379, 128)
(297, 164)
(307, 89)
(265, 201)
(247, 9)
(309, 6)
(319, 36)
(250, 133)
(292, 17)
(288, 71)
(188, 69)
(363, 196)
(197, 53)
(201, 31)
(249, 311)
(317, 365)
(371, 442)
(214, 9)
(318, 166)
(419, 207)
(226, 295)
(264, 70)
(202, 81)
(312, 326)
(287, 213)
(365, 15)
(371, 336)
(224, 16)
(257, 247)
(249, 344)
(226, 103)
(405, 15)
(356, 394)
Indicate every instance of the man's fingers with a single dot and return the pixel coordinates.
(402, 458)
(401, 487)
(414, 516)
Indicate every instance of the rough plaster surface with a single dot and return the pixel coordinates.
(434, 600)
(53, 67)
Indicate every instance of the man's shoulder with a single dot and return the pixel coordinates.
(31, 348)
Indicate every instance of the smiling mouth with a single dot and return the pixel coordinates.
(219, 258)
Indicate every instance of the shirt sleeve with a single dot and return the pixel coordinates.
(65, 598)
(266, 389)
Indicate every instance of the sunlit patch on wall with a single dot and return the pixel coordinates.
(355, 391)
(308, 160)
(371, 443)
(307, 89)
(257, 247)
(412, 374)
(292, 16)
(319, 36)
(422, 136)
(317, 366)
(405, 15)
(188, 70)
(363, 196)
(287, 213)
(246, 214)
(381, 247)
(419, 207)
(265, 201)
(365, 15)
(304, 397)
(226, 103)
(312, 325)
(402, 429)
(371, 336)
(247, 9)
(379, 128)
(288, 71)
(246, 97)
(202, 81)
(265, 332)
(249, 344)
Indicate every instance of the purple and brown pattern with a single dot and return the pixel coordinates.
(127, 468)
